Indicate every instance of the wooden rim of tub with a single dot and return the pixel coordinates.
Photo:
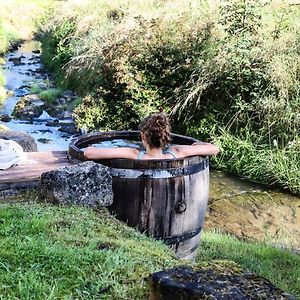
(164, 168)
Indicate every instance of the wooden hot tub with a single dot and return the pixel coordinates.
(166, 199)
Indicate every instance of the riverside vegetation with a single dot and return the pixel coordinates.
(225, 71)
(127, 59)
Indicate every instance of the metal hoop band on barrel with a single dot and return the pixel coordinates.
(169, 240)
(156, 173)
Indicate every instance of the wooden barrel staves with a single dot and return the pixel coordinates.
(165, 199)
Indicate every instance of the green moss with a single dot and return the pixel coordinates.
(2, 94)
(35, 89)
(2, 78)
(3, 128)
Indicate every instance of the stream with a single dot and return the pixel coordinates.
(23, 70)
(246, 210)
(253, 212)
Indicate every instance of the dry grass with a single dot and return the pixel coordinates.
(18, 19)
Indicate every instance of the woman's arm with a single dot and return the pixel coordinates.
(198, 148)
(91, 153)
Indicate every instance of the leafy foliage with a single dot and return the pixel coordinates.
(217, 67)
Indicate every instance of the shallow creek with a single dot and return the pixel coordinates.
(236, 206)
(253, 212)
(23, 70)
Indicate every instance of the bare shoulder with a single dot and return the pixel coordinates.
(177, 150)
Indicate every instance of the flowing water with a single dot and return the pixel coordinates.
(22, 70)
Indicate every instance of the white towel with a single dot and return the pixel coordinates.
(11, 153)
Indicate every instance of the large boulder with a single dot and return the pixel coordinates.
(31, 106)
(26, 141)
(28, 107)
(87, 184)
(69, 128)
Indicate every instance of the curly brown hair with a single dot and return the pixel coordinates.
(156, 129)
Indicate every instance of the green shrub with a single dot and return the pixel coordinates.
(234, 66)
(50, 95)
(91, 113)
(74, 103)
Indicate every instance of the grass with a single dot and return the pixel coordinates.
(35, 89)
(50, 95)
(257, 161)
(51, 252)
(2, 89)
(3, 128)
(2, 95)
(19, 19)
(2, 78)
(75, 103)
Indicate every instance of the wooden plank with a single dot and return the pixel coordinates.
(29, 172)
(24, 174)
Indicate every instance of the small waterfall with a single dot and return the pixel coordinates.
(45, 117)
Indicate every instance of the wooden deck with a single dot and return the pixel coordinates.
(28, 174)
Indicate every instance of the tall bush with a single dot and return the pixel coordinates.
(220, 68)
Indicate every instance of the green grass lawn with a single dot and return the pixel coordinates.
(51, 252)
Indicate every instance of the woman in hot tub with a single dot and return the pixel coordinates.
(156, 137)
